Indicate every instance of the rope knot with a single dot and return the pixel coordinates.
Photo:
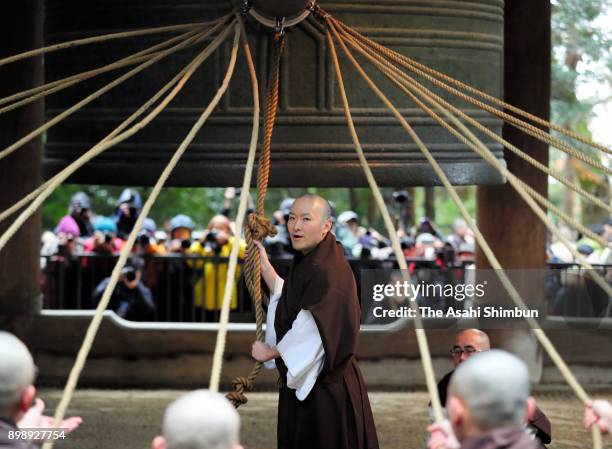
(260, 227)
(240, 385)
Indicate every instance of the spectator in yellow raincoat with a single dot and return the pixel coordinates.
(217, 240)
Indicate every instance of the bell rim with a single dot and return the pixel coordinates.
(272, 22)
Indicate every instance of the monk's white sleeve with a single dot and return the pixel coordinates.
(270, 332)
(302, 351)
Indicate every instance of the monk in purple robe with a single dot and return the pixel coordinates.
(311, 339)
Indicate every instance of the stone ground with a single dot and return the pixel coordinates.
(129, 419)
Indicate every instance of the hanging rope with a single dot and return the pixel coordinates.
(525, 127)
(259, 227)
(103, 38)
(517, 183)
(391, 231)
(31, 95)
(586, 195)
(539, 333)
(115, 138)
(98, 93)
(477, 92)
(217, 364)
(126, 250)
(404, 82)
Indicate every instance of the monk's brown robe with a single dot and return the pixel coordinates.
(336, 414)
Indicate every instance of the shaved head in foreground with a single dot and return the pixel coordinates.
(201, 419)
(487, 392)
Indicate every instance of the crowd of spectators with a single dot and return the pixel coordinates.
(192, 272)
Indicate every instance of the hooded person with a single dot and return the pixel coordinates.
(311, 338)
(68, 233)
(80, 210)
(127, 211)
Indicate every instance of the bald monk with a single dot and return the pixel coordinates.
(488, 403)
(311, 338)
(469, 342)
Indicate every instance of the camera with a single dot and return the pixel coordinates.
(143, 240)
(186, 243)
(210, 241)
(402, 196)
(129, 273)
(211, 236)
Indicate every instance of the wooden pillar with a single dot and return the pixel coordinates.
(515, 234)
(21, 26)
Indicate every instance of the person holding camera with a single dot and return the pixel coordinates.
(131, 299)
(216, 242)
(145, 244)
(127, 212)
(104, 239)
(181, 227)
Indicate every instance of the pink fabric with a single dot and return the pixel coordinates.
(68, 225)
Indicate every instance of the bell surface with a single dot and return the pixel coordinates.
(311, 143)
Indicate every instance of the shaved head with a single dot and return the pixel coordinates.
(17, 371)
(489, 391)
(320, 202)
(201, 419)
(308, 222)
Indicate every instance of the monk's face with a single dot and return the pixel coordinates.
(468, 343)
(307, 223)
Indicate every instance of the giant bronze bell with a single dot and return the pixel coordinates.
(311, 143)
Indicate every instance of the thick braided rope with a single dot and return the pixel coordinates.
(217, 366)
(403, 81)
(259, 227)
(474, 139)
(101, 38)
(580, 191)
(475, 91)
(90, 154)
(525, 127)
(483, 151)
(240, 384)
(31, 95)
(126, 250)
(401, 260)
(110, 141)
(548, 346)
(98, 93)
